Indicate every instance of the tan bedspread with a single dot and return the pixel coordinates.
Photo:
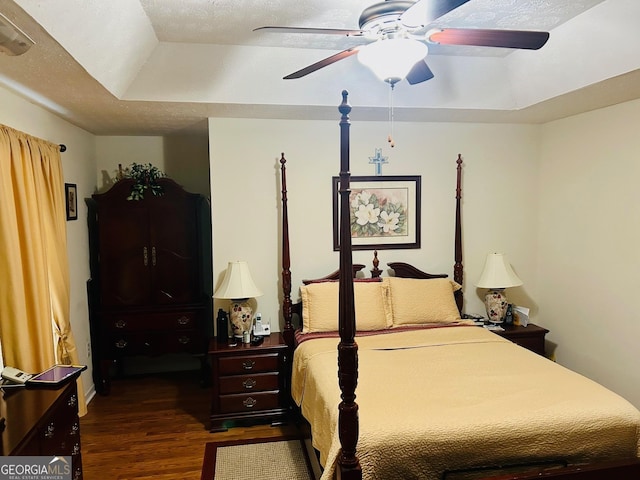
(459, 397)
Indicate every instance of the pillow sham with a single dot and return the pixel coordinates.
(320, 306)
(423, 301)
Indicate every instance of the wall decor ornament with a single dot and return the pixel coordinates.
(384, 212)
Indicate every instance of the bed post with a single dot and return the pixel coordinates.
(457, 267)
(348, 463)
(287, 333)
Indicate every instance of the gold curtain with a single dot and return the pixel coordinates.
(35, 287)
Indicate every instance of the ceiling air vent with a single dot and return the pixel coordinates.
(13, 41)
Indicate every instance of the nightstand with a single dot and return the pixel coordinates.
(249, 384)
(531, 336)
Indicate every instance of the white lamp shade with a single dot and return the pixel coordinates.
(498, 273)
(237, 283)
(392, 59)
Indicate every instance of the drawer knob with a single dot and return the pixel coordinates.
(184, 339)
(183, 320)
(122, 343)
(249, 402)
(249, 383)
(121, 324)
(248, 364)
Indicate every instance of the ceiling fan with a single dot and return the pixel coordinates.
(392, 27)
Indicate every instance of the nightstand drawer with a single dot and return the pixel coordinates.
(249, 402)
(248, 364)
(530, 337)
(249, 383)
(535, 344)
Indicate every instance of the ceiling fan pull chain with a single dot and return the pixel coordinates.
(390, 137)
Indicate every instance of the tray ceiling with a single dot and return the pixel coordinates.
(154, 67)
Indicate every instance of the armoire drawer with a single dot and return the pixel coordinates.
(122, 322)
(154, 343)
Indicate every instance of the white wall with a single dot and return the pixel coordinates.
(500, 179)
(79, 165)
(187, 161)
(184, 158)
(589, 237)
(559, 200)
(112, 151)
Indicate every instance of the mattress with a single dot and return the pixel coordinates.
(453, 398)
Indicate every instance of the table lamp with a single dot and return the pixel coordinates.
(238, 286)
(496, 276)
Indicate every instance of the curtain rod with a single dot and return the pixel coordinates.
(63, 147)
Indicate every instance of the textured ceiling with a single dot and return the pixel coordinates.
(231, 22)
(163, 66)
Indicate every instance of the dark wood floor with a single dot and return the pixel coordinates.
(154, 427)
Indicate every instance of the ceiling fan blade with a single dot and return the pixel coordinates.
(423, 12)
(321, 31)
(419, 73)
(489, 38)
(322, 63)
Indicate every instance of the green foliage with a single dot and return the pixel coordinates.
(145, 177)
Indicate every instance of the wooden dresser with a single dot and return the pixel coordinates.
(43, 422)
(249, 384)
(150, 287)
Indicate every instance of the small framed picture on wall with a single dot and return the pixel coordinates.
(71, 196)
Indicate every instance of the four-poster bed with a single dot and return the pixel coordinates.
(437, 398)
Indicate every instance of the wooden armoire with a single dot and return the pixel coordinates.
(150, 287)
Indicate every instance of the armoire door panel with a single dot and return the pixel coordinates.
(174, 254)
(124, 256)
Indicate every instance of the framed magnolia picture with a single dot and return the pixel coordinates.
(384, 212)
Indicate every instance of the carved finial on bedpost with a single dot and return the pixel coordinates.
(457, 267)
(344, 107)
(287, 333)
(376, 272)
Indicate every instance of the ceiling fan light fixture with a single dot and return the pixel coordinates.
(391, 59)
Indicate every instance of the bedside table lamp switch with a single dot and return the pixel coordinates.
(238, 286)
(496, 276)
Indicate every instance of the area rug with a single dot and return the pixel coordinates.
(260, 459)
